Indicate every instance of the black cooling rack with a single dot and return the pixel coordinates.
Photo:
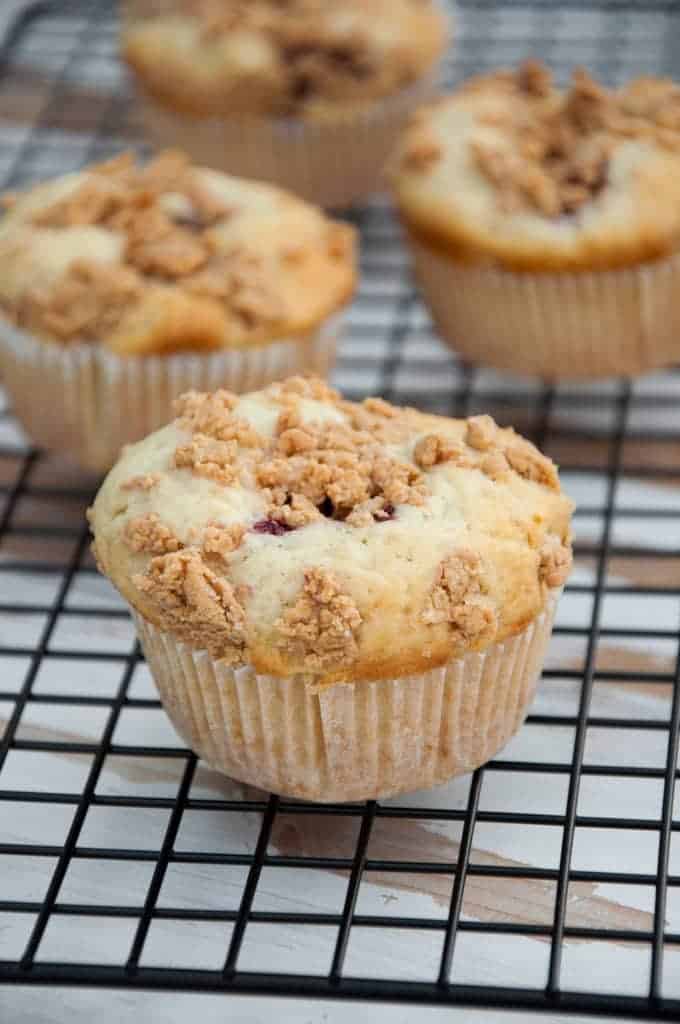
(66, 649)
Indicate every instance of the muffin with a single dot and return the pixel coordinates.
(123, 286)
(336, 601)
(308, 94)
(545, 225)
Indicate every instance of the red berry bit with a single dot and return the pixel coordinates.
(383, 515)
(271, 527)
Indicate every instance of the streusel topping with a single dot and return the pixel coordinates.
(511, 164)
(561, 145)
(304, 533)
(299, 58)
(169, 256)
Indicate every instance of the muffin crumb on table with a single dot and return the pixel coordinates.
(310, 542)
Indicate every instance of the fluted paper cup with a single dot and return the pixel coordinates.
(556, 325)
(350, 741)
(85, 401)
(332, 163)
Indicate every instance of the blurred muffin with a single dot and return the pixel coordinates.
(545, 225)
(337, 601)
(310, 95)
(122, 286)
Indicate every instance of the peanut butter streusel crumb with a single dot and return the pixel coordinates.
(555, 562)
(399, 483)
(380, 407)
(526, 460)
(91, 203)
(348, 489)
(295, 440)
(149, 535)
(433, 449)
(195, 405)
(481, 432)
(219, 540)
(494, 465)
(212, 415)
(288, 419)
(308, 387)
(158, 247)
(240, 281)
(379, 425)
(89, 300)
(296, 512)
(457, 599)
(143, 482)
(297, 475)
(210, 458)
(322, 626)
(195, 604)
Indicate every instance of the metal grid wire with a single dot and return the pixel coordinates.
(64, 101)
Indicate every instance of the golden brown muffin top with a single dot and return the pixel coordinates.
(308, 58)
(511, 168)
(301, 533)
(169, 256)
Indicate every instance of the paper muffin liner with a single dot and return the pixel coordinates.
(86, 401)
(353, 741)
(578, 325)
(332, 163)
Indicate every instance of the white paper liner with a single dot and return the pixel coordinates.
(332, 163)
(350, 741)
(88, 402)
(570, 325)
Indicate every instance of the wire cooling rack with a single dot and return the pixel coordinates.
(549, 879)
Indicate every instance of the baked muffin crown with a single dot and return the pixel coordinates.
(169, 256)
(300, 533)
(306, 58)
(510, 169)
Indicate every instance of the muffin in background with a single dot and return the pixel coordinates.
(310, 95)
(121, 286)
(336, 601)
(545, 225)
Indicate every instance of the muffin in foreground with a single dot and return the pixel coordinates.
(336, 601)
(545, 225)
(123, 286)
(308, 94)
